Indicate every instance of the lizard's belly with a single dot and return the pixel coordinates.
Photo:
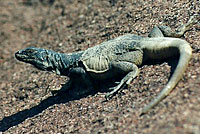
(106, 75)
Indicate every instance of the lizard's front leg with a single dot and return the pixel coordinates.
(126, 67)
(78, 76)
(65, 87)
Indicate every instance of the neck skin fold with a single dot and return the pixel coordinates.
(61, 62)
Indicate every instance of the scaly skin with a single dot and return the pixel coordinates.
(120, 56)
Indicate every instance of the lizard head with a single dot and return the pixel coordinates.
(38, 57)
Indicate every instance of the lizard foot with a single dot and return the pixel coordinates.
(125, 81)
(65, 87)
(113, 91)
(55, 92)
(185, 27)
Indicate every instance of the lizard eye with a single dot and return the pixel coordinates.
(30, 50)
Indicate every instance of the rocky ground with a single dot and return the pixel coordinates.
(26, 104)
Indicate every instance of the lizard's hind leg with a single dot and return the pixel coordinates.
(155, 32)
(165, 31)
(125, 67)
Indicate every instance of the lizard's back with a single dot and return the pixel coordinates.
(96, 59)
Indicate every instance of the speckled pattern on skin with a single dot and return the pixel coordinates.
(67, 26)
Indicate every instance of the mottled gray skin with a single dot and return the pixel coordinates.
(120, 56)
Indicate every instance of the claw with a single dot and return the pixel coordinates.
(111, 89)
(114, 90)
(192, 20)
(108, 96)
(185, 27)
(117, 82)
(129, 81)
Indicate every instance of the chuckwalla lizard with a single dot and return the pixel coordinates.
(119, 56)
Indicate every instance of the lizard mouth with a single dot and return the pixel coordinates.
(23, 56)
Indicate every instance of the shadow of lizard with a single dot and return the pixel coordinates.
(19, 117)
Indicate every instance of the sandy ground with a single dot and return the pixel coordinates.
(26, 104)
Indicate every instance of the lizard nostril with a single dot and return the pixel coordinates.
(17, 53)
